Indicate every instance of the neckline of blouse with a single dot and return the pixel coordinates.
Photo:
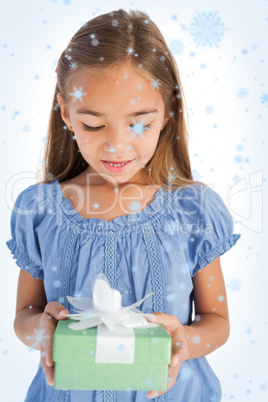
(156, 206)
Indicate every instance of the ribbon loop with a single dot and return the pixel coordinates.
(105, 308)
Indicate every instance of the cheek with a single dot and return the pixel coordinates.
(148, 141)
(83, 142)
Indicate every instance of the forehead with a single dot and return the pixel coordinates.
(121, 88)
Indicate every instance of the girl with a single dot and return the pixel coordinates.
(119, 199)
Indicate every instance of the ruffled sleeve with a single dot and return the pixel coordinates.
(215, 236)
(24, 243)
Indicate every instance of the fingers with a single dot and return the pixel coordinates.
(172, 378)
(49, 371)
(179, 352)
(56, 310)
(169, 321)
(52, 314)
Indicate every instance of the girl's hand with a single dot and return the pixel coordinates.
(47, 326)
(179, 352)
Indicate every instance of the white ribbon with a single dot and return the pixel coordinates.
(105, 308)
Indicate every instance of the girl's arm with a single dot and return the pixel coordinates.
(210, 330)
(31, 302)
(36, 321)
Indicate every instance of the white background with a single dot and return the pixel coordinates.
(227, 150)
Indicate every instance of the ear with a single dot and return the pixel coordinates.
(63, 109)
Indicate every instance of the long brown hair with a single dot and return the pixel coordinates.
(99, 46)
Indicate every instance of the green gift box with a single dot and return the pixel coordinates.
(74, 354)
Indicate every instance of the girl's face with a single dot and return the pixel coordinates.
(115, 118)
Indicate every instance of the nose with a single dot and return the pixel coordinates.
(119, 140)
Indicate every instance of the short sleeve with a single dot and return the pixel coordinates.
(24, 243)
(215, 236)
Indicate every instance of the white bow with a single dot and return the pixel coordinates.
(106, 309)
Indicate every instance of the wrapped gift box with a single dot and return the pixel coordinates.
(74, 354)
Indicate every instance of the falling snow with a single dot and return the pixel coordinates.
(264, 98)
(77, 94)
(196, 339)
(112, 150)
(39, 337)
(243, 93)
(156, 84)
(174, 17)
(176, 46)
(207, 29)
(96, 205)
(185, 373)
(135, 206)
(130, 50)
(240, 147)
(137, 128)
(73, 65)
(235, 284)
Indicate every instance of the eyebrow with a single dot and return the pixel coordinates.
(98, 114)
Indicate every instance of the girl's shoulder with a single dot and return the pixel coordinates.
(34, 198)
(192, 195)
(197, 201)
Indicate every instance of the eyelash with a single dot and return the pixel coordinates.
(98, 128)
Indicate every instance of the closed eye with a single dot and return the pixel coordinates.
(90, 128)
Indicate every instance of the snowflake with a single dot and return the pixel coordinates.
(176, 46)
(170, 297)
(207, 29)
(196, 339)
(78, 294)
(132, 101)
(185, 373)
(135, 206)
(40, 337)
(138, 128)
(73, 65)
(239, 147)
(171, 177)
(77, 94)
(130, 50)
(264, 98)
(174, 17)
(155, 84)
(112, 150)
(238, 159)
(96, 205)
(243, 93)
(235, 284)
(171, 114)
(94, 42)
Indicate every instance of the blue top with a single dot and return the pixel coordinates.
(157, 250)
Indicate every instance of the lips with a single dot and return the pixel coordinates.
(117, 169)
(117, 161)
